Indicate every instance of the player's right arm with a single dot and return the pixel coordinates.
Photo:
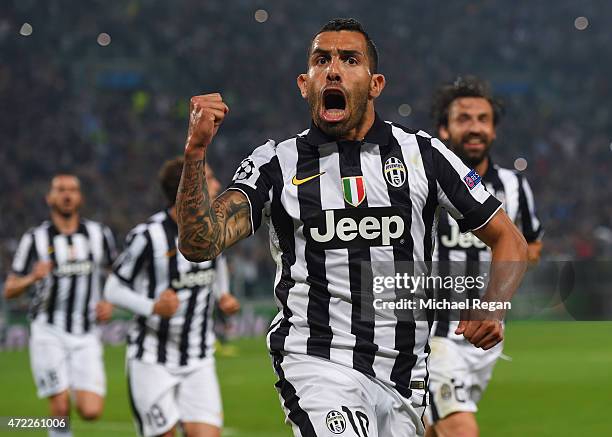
(17, 284)
(530, 223)
(26, 269)
(120, 288)
(207, 226)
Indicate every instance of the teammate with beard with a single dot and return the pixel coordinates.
(466, 117)
(351, 191)
(65, 259)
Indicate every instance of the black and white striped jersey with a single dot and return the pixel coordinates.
(455, 250)
(151, 264)
(68, 296)
(333, 209)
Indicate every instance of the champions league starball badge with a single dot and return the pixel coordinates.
(245, 170)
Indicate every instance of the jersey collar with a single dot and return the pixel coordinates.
(82, 229)
(488, 176)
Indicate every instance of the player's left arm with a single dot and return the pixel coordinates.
(110, 247)
(228, 303)
(461, 192)
(508, 265)
(529, 222)
(104, 308)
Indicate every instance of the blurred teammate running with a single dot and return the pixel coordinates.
(170, 362)
(466, 117)
(65, 258)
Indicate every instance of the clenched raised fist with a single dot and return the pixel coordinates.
(206, 113)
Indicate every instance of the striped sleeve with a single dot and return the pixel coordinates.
(529, 222)
(222, 283)
(25, 256)
(254, 180)
(460, 190)
(110, 248)
(138, 253)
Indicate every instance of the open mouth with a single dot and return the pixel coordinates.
(334, 105)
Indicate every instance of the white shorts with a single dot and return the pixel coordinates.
(62, 361)
(161, 397)
(325, 399)
(459, 373)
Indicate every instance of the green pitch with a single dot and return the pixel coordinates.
(559, 383)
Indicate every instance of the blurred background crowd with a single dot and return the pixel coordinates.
(102, 89)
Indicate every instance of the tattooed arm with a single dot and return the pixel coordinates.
(207, 226)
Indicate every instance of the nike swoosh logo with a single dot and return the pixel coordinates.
(295, 181)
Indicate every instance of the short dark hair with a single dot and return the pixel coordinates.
(463, 86)
(351, 25)
(170, 178)
(64, 173)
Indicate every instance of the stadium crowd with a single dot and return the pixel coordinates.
(113, 113)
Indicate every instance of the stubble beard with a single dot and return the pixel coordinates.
(469, 159)
(63, 213)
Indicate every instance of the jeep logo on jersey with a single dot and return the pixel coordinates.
(354, 190)
(367, 227)
(395, 172)
(457, 239)
(74, 268)
(335, 422)
(201, 278)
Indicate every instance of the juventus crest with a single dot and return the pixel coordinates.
(395, 172)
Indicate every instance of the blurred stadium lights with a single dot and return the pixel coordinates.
(581, 23)
(520, 164)
(261, 15)
(26, 29)
(513, 87)
(404, 110)
(122, 77)
(104, 39)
